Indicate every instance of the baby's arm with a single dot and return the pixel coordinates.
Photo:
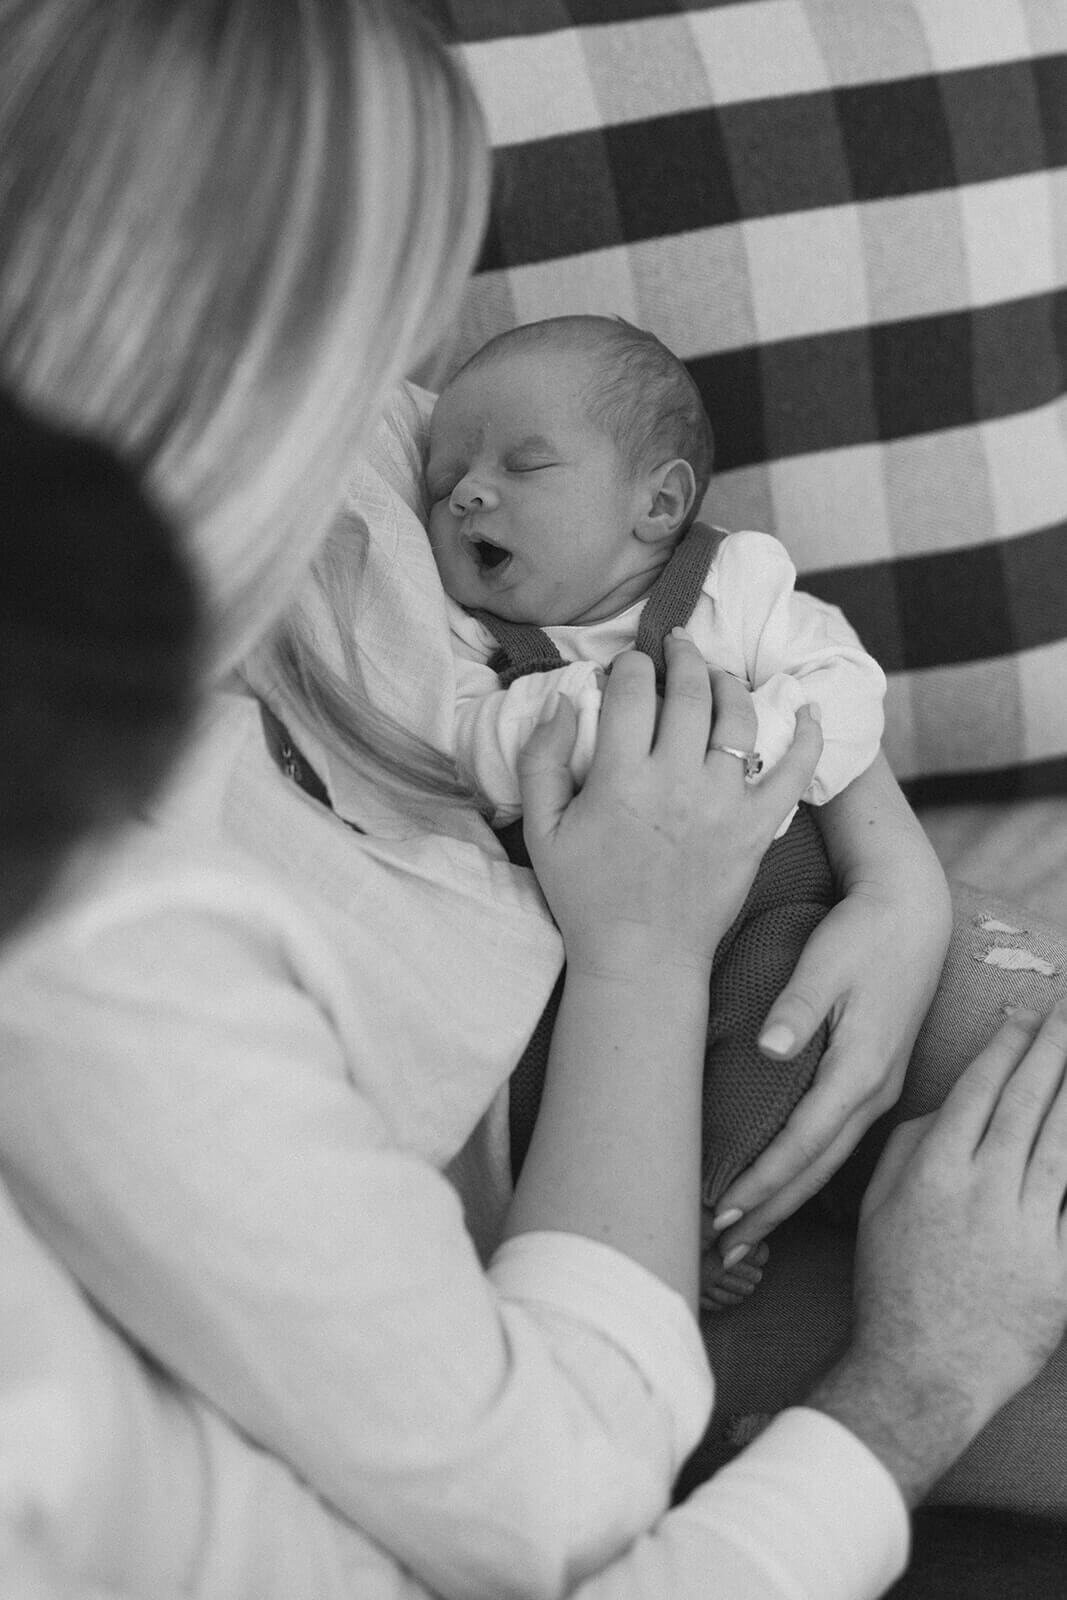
(798, 649)
(493, 724)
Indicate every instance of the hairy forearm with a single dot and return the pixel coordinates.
(915, 1426)
(877, 847)
(616, 1151)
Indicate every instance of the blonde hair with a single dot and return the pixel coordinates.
(227, 228)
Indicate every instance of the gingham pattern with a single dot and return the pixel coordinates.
(850, 218)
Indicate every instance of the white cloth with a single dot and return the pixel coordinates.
(750, 620)
(235, 1072)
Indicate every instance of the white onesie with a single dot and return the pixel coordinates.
(788, 648)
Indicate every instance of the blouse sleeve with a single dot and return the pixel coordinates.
(110, 1474)
(178, 1122)
(798, 648)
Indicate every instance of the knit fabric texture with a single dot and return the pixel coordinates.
(748, 1096)
(673, 597)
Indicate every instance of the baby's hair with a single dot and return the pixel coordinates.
(641, 394)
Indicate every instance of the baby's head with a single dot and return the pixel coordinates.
(566, 459)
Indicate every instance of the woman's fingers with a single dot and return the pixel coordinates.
(733, 720)
(544, 772)
(1028, 1092)
(1012, 1099)
(782, 788)
(798, 1163)
(816, 985)
(1045, 1184)
(685, 716)
(970, 1103)
(627, 713)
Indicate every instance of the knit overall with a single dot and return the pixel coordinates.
(747, 1097)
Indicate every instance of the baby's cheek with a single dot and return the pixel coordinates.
(437, 530)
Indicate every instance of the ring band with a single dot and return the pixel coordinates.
(752, 758)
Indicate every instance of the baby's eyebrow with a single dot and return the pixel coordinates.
(442, 468)
(536, 441)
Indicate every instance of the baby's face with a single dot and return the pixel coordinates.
(532, 507)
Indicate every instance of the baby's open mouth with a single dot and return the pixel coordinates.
(490, 557)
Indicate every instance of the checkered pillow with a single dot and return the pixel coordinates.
(849, 217)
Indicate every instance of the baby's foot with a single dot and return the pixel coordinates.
(727, 1283)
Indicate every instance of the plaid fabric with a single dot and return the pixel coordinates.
(849, 217)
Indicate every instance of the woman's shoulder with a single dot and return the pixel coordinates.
(187, 856)
(169, 961)
(151, 874)
(138, 923)
(183, 877)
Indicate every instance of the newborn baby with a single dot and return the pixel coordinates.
(567, 462)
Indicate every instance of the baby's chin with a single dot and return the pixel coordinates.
(515, 606)
(508, 597)
(505, 606)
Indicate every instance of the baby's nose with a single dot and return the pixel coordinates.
(472, 494)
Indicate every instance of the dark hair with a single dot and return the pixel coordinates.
(99, 626)
(642, 395)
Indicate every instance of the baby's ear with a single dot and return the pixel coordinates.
(670, 491)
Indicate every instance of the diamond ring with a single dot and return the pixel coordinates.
(752, 759)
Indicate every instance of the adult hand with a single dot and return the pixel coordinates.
(961, 1273)
(870, 969)
(653, 857)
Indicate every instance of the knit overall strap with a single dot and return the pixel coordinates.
(674, 595)
(523, 647)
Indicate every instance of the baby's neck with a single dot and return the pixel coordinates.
(625, 593)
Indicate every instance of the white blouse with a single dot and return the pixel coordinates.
(251, 1095)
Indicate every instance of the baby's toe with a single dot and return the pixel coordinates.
(728, 1286)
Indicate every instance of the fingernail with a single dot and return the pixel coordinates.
(738, 1253)
(814, 710)
(778, 1039)
(679, 633)
(726, 1218)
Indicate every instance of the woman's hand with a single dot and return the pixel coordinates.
(652, 859)
(961, 1274)
(871, 968)
(644, 869)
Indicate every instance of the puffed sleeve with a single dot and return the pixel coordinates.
(179, 1122)
(796, 649)
(493, 724)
